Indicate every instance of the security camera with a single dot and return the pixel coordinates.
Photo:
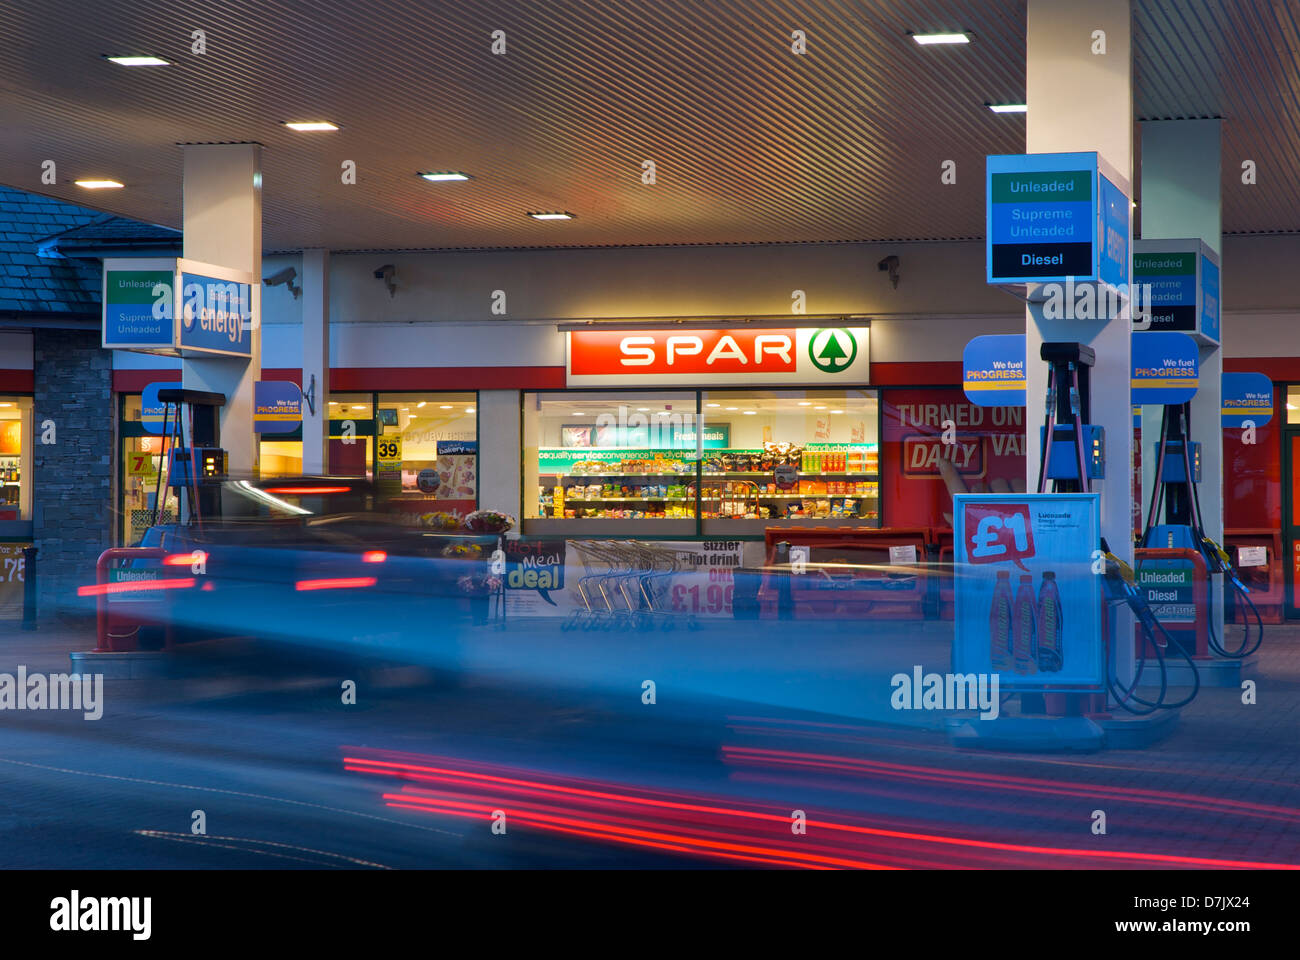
(284, 278)
(388, 274)
(890, 263)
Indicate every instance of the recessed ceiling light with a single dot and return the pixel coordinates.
(925, 39)
(551, 216)
(837, 411)
(1009, 107)
(642, 409)
(134, 61)
(444, 406)
(577, 413)
(98, 184)
(819, 408)
(713, 404)
(751, 413)
(421, 404)
(469, 409)
(733, 408)
(805, 403)
(307, 126)
(448, 175)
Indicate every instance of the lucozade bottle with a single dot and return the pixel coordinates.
(1024, 627)
(1000, 623)
(1051, 656)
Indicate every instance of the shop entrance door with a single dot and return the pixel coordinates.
(1291, 517)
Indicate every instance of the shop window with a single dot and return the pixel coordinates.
(280, 458)
(352, 430)
(1292, 404)
(607, 457)
(790, 455)
(427, 454)
(15, 458)
(142, 458)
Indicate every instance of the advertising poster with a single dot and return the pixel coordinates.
(1166, 367)
(1246, 397)
(277, 406)
(1028, 604)
(11, 580)
(993, 370)
(680, 578)
(920, 472)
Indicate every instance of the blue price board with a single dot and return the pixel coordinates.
(1028, 604)
(1166, 367)
(1247, 397)
(216, 316)
(456, 447)
(1113, 256)
(993, 370)
(1042, 220)
(1210, 298)
(277, 406)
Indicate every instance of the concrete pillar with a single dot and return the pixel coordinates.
(223, 226)
(500, 443)
(1180, 200)
(316, 359)
(1081, 100)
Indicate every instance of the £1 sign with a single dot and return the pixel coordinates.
(998, 532)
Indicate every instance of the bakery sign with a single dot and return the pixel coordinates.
(694, 357)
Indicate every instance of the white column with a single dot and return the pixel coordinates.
(223, 226)
(1180, 199)
(500, 448)
(316, 359)
(1079, 100)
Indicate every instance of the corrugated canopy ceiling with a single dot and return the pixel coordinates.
(751, 143)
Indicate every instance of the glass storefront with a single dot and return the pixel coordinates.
(427, 454)
(142, 457)
(717, 460)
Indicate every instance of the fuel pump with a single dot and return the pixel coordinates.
(195, 462)
(1176, 501)
(1074, 457)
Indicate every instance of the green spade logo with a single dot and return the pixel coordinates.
(832, 349)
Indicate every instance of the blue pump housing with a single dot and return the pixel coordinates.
(1064, 464)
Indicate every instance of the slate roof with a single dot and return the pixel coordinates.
(32, 285)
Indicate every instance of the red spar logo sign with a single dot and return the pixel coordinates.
(996, 532)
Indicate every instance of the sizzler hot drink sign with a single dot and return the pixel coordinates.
(692, 357)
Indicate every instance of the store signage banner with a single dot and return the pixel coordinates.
(535, 565)
(178, 307)
(456, 448)
(700, 584)
(1166, 367)
(993, 370)
(277, 406)
(1052, 217)
(1028, 604)
(216, 315)
(1247, 397)
(693, 357)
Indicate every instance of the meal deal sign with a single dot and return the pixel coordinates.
(178, 307)
(1028, 604)
(691, 357)
(1053, 216)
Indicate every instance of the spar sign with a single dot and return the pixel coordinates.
(693, 357)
